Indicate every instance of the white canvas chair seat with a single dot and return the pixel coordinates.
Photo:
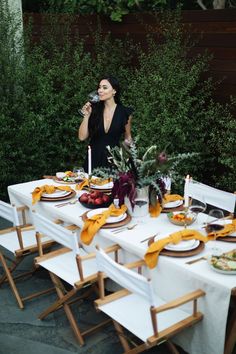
(70, 264)
(213, 196)
(10, 240)
(133, 317)
(21, 241)
(65, 266)
(139, 309)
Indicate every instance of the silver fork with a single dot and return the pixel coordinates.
(121, 229)
(66, 203)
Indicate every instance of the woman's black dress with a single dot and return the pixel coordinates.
(101, 139)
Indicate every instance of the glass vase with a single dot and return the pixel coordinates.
(141, 203)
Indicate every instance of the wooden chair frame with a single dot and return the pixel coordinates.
(158, 337)
(19, 255)
(68, 297)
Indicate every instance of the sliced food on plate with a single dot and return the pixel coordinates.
(224, 263)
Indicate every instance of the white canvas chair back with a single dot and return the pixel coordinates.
(56, 232)
(216, 197)
(9, 213)
(130, 280)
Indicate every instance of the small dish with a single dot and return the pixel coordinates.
(60, 175)
(181, 218)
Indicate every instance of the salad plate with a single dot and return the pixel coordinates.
(224, 263)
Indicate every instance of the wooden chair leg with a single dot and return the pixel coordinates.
(11, 282)
(172, 348)
(231, 333)
(121, 336)
(62, 302)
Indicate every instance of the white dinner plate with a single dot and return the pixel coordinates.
(56, 194)
(183, 246)
(111, 219)
(228, 272)
(173, 204)
(104, 186)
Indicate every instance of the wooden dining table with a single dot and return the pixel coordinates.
(172, 277)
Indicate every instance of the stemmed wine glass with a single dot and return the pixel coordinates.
(197, 206)
(215, 221)
(93, 98)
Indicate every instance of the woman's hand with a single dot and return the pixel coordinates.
(87, 109)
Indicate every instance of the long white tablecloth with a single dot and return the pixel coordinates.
(172, 277)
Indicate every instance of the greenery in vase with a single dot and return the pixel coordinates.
(132, 169)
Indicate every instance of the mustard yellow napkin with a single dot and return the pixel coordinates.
(155, 210)
(151, 256)
(95, 181)
(226, 231)
(93, 224)
(172, 198)
(49, 189)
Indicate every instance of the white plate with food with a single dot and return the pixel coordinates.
(224, 263)
(111, 219)
(56, 194)
(183, 246)
(173, 204)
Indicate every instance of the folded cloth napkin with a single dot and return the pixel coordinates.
(155, 210)
(95, 181)
(49, 189)
(151, 256)
(172, 198)
(226, 231)
(93, 224)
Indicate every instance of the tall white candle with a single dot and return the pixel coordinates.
(186, 192)
(89, 160)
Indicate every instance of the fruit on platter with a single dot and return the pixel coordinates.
(95, 198)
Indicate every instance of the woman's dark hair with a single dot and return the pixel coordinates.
(97, 112)
(115, 85)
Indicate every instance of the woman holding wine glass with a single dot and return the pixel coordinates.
(105, 122)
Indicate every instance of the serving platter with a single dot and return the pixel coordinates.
(111, 225)
(188, 253)
(65, 197)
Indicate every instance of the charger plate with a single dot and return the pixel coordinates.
(227, 239)
(188, 253)
(63, 182)
(111, 225)
(65, 197)
(179, 208)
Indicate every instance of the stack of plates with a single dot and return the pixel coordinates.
(56, 194)
(106, 186)
(110, 219)
(183, 246)
(174, 204)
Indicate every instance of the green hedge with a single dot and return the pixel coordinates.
(43, 85)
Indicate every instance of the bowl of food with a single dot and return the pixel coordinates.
(181, 218)
(95, 200)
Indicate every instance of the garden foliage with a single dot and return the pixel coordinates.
(44, 84)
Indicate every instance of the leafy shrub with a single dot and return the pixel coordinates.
(44, 84)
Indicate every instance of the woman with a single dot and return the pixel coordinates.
(105, 122)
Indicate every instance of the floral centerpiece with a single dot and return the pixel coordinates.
(132, 170)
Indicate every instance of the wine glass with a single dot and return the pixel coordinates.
(79, 173)
(93, 98)
(215, 221)
(197, 206)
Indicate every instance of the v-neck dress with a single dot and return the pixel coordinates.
(112, 137)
